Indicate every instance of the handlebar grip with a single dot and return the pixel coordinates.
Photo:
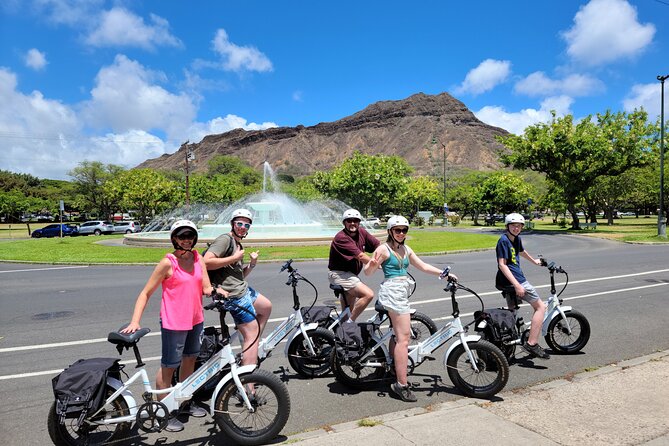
(286, 266)
(445, 272)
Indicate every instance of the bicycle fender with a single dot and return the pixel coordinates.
(127, 396)
(556, 313)
(468, 338)
(296, 333)
(243, 370)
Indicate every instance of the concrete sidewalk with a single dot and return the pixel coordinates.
(621, 404)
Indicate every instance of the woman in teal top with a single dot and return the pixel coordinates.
(394, 258)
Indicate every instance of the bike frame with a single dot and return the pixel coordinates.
(419, 352)
(554, 306)
(293, 324)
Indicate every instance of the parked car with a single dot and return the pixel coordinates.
(96, 227)
(54, 230)
(374, 222)
(127, 227)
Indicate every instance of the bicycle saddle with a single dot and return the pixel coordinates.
(126, 339)
(380, 309)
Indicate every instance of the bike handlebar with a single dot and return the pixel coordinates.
(217, 299)
(551, 266)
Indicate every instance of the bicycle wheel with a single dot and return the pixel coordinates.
(67, 434)
(493, 369)
(559, 339)
(271, 404)
(303, 362)
(359, 374)
(421, 328)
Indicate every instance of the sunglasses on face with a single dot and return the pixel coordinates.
(352, 220)
(241, 224)
(186, 236)
(400, 230)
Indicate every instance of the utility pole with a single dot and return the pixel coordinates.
(443, 147)
(661, 221)
(189, 157)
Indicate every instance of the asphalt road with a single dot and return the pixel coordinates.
(53, 315)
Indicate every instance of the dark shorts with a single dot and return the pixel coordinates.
(246, 313)
(178, 344)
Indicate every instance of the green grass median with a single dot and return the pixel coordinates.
(87, 250)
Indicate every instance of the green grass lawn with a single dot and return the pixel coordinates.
(88, 250)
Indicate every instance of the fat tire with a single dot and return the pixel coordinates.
(351, 375)
(306, 365)
(554, 332)
(227, 404)
(66, 435)
(491, 360)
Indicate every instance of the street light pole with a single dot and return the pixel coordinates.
(661, 221)
(443, 148)
(188, 158)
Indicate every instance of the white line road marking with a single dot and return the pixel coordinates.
(41, 269)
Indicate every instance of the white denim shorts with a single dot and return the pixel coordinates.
(394, 294)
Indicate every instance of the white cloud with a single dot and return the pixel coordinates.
(46, 138)
(485, 77)
(68, 12)
(648, 96)
(518, 121)
(605, 31)
(538, 84)
(240, 58)
(120, 27)
(297, 96)
(35, 59)
(124, 98)
(221, 125)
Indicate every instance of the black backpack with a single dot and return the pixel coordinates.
(80, 388)
(501, 324)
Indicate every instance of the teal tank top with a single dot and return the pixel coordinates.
(392, 266)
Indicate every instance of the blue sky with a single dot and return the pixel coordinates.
(123, 81)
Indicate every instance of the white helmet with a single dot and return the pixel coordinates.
(397, 220)
(242, 213)
(177, 228)
(351, 213)
(514, 218)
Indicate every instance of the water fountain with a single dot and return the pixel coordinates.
(277, 218)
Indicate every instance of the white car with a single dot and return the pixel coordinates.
(127, 227)
(96, 227)
(374, 222)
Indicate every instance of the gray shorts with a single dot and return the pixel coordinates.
(345, 279)
(177, 344)
(530, 296)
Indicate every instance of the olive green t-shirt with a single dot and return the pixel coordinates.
(231, 277)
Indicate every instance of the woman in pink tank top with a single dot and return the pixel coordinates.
(184, 279)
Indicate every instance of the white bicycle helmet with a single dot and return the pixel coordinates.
(351, 213)
(514, 218)
(242, 213)
(397, 220)
(181, 226)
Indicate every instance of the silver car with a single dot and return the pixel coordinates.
(96, 227)
(127, 227)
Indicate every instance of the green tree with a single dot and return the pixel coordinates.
(368, 182)
(462, 193)
(421, 193)
(90, 178)
(573, 156)
(504, 192)
(146, 191)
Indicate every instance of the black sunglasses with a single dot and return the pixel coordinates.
(352, 220)
(400, 230)
(186, 236)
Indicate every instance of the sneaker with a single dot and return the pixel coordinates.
(195, 411)
(174, 425)
(536, 351)
(403, 392)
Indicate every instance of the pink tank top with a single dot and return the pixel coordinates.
(181, 306)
